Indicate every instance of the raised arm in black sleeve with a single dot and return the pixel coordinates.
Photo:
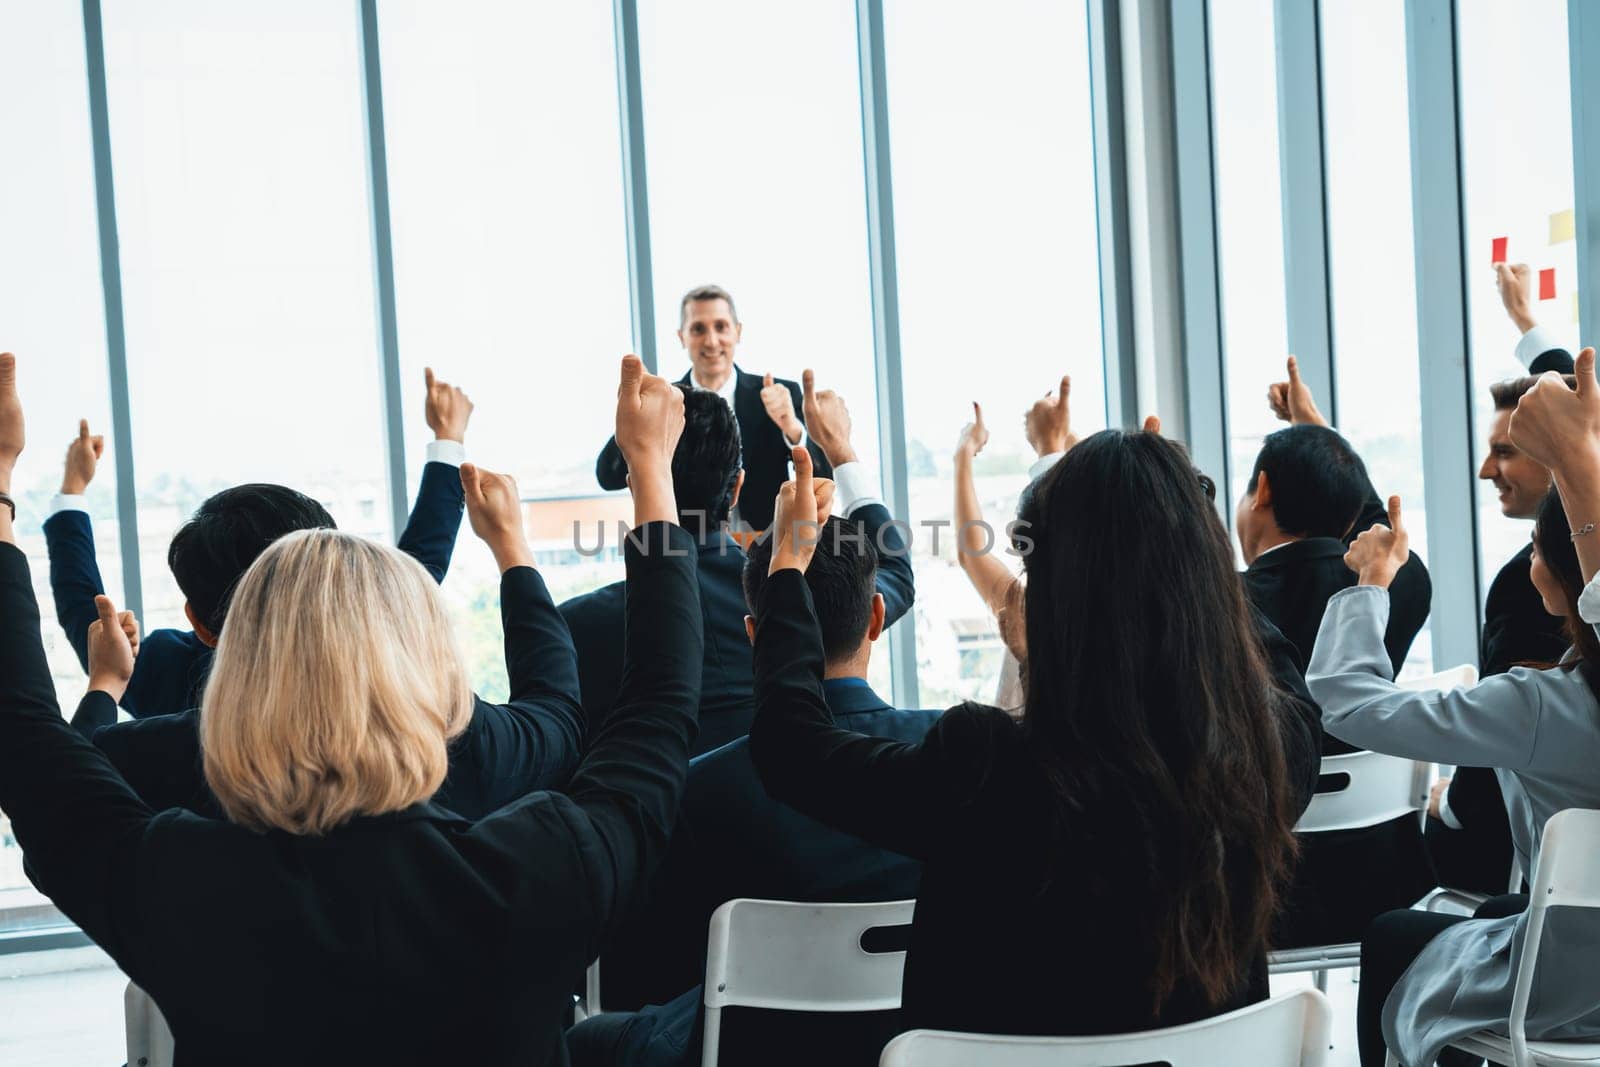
(435, 520)
(535, 740)
(895, 579)
(78, 823)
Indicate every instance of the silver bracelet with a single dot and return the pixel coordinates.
(1586, 528)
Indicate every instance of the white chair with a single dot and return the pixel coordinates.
(1288, 1031)
(786, 956)
(1374, 789)
(1568, 876)
(149, 1039)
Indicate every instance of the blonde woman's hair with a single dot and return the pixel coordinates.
(336, 686)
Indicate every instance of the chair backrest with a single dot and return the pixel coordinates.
(1288, 1031)
(1368, 788)
(803, 957)
(149, 1039)
(787, 956)
(1567, 875)
(1453, 678)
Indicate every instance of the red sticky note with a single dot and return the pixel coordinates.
(1499, 250)
(1547, 284)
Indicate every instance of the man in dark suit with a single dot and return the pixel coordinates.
(769, 410)
(1468, 833)
(709, 482)
(216, 546)
(733, 840)
(1309, 496)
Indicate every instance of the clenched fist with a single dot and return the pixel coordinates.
(448, 409)
(1048, 424)
(83, 456)
(1379, 553)
(827, 420)
(779, 402)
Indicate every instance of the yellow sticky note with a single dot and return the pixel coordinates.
(1562, 226)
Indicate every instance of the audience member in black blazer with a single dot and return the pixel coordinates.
(338, 917)
(1468, 831)
(1141, 813)
(733, 840)
(215, 547)
(1309, 497)
(770, 411)
(709, 481)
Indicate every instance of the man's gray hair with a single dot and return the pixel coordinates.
(705, 292)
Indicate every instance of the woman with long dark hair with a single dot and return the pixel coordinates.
(1427, 979)
(1111, 861)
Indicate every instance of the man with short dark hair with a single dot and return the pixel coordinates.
(1468, 832)
(733, 840)
(709, 482)
(1309, 498)
(771, 415)
(211, 551)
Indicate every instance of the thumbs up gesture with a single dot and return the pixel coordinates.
(799, 513)
(778, 401)
(446, 408)
(1560, 427)
(828, 421)
(83, 456)
(974, 435)
(1292, 401)
(1379, 553)
(113, 646)
(1048, 424)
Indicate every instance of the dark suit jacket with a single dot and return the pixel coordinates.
(507, 750)
(414, 937)
(733, 840)
(1346, 878)
(766, 451)
(1516, 630)
(171, 671)
(1008, 888)
(727, 702)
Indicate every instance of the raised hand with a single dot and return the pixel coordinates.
(1048, 424)
(13, 435)
(974, 435)
(649, 424)
(447, 409)
(1152, 424)
(1560, 427)
(83, 456)
(1516, 293)
(494, 508)
(113, 645)
(1292, 401)
(775, 397)
(827, 420)
(1379, 553)
(801, 510)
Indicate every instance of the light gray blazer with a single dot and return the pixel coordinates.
(1540, 731)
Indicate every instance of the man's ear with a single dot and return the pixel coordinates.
(738, 484)
(738, 332)
(206, 637)
(1263, 494)
(875, 624)
(683, 338)
(750, 627)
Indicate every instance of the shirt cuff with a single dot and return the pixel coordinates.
(68, 502)
(1589, 601)
(854, 487)
(805, 438)
(453, 453)
(1535, 343)
(1042, 464)
(1447, 816)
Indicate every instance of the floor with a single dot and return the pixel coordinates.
(64, 1009)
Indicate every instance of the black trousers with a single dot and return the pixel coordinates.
(1392, 943)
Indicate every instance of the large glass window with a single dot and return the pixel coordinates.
(1249, 221)
(1516, 163)
(505, 180)
(753, 129)
(51, 311)
(238, 136)
(993, 156)
(1370, 255)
